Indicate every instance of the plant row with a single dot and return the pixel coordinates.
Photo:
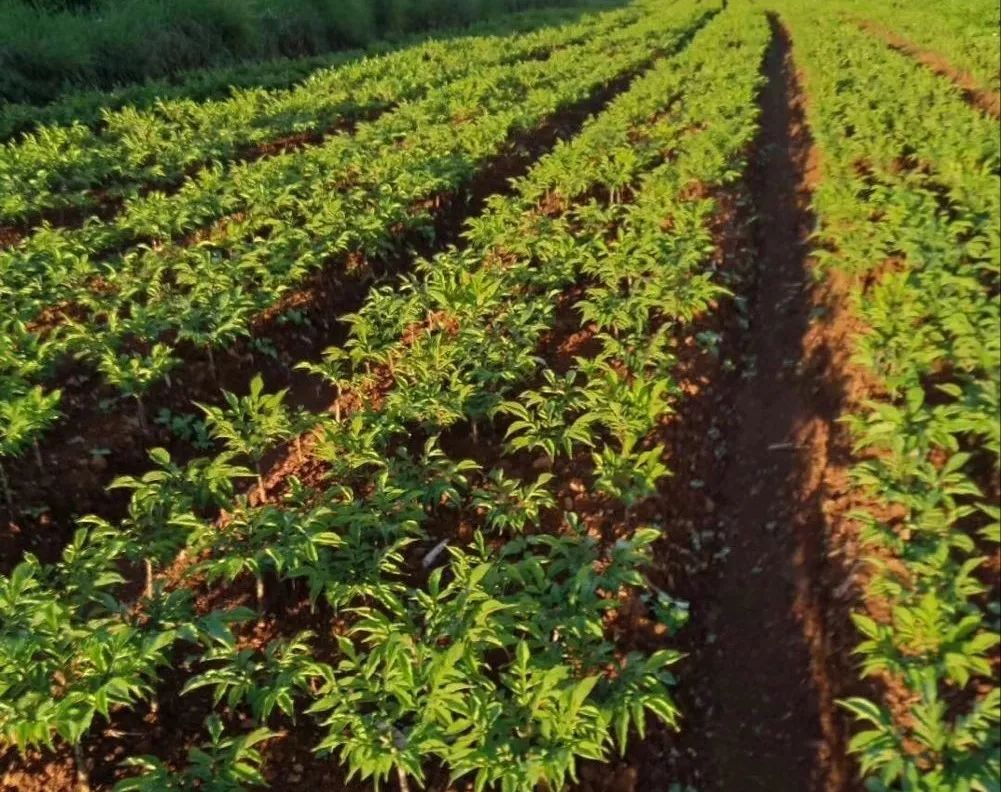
(35, 270)
(89, 107)
(964, 33)
(46, 267)
(491, 652)
(360, 194)
(137, 149)
(910, 205)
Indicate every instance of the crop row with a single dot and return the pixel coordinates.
(225, 188)
(492, 652)
(964, 33)
(89, 108)
(910, 206)
(77, 167)
(355, 194)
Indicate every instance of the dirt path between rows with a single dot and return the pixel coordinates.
(771, 722)
(973, 92)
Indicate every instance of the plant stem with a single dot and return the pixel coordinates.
(212, 369)
(8, 496)
(260, 480)
(82, 781)
(401, 774)
(38, 454)
(149, 577)
(141, 413)
(259, 591)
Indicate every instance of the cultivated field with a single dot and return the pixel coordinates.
(595, 400)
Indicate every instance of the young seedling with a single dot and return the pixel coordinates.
(222, 764)
(135, 374)
(23, 417)
(512, 505)
(264, 680)
(628, 474)
(162, 508)
(543, 418)
(334, 369)
(216, 324)
(251, 425)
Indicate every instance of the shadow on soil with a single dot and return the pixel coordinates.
(770, 641)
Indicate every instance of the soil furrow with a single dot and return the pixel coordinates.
(764, 714)
(765, 724)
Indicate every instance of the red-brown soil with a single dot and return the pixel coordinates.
(766, 726)
(9, 236)
(972, 89)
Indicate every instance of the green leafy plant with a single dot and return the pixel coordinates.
(222, 764)
(265, 681)
(262, 539)
(163, 507)
(543, 418)
(511, 505)
(629, 474)
(187, 426)
(251, 425)
(23, 416)
(70, 651)
(134, 374)
(530, 730)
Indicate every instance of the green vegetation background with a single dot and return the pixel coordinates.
(50, 47)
